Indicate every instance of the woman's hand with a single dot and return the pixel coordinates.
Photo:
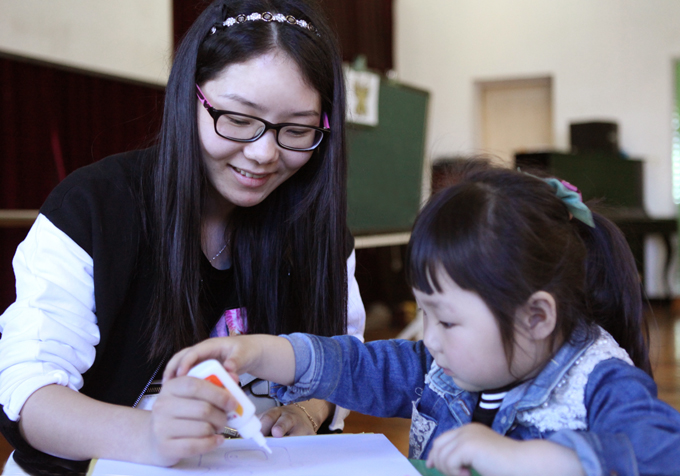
(491, 454)
(187, 418)
(291, 420)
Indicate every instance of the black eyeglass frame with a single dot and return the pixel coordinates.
(217, 113)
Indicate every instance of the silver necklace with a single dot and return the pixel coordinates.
(218, 253)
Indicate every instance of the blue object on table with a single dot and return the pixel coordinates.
(419, 464)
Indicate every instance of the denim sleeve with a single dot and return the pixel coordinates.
(630, 431)
(599, 454)
(378, 378)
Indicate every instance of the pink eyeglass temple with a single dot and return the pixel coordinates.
(201, 97)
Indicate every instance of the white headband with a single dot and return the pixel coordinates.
(265, 17)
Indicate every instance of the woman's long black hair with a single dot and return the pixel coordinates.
(505, 235)
(289, 252)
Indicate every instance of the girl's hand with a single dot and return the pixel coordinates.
(229, 351)
(186, 419)
(473, 445)
(490, 454)
(264, 356)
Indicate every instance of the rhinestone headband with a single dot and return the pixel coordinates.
(265, 17)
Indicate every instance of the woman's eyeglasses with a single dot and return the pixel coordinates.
(244, 128)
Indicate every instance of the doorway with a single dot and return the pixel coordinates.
(514, 116)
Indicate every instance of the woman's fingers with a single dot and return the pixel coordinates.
(285, 424)
(171, 450)
(286, 421)
(198, 411)
(268, 419)
(187, 429)
(187, 398)
(193, 388)
(188, 416)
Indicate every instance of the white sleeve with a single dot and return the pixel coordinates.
(49, 334)
(356, 323)
(356, 313)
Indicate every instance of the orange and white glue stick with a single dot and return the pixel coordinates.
(243, 418)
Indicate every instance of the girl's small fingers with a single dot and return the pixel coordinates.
(430, 459)
(188, 361)
(234, 376)
(450, 460)
(171, 367)
(180, 364)
(445, 442)
(230, 366)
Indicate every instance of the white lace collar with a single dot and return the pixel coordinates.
(565, 407)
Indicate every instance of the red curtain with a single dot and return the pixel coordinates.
(364, 27)
(54, 120)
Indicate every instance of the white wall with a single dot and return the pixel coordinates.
(125, 38)
(609, 60)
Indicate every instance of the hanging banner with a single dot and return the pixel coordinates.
(363, 89)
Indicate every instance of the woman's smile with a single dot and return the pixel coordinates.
(249, 175)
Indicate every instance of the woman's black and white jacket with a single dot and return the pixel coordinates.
(83, 284)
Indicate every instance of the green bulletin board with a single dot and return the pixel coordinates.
(386, 163)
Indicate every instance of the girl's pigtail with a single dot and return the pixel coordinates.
(613, 288)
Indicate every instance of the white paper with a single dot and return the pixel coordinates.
(327, 455)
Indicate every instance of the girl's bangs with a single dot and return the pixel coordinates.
(448, 235)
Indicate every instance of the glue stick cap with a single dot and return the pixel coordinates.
(251, 429)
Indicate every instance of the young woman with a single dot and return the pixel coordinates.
(534, 359)
(233, 223)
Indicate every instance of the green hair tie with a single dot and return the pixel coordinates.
(572, 198)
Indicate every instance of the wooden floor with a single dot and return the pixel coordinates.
(664, 323)
(665, 336)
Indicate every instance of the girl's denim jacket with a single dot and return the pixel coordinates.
(589, 397)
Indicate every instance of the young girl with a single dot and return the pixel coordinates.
(235, 222)
(533, 361)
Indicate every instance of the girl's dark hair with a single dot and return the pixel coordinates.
(288, 252)
(505, 235)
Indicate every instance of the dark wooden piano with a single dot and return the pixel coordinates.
(615, 183)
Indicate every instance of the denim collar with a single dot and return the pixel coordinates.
(440, 383)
